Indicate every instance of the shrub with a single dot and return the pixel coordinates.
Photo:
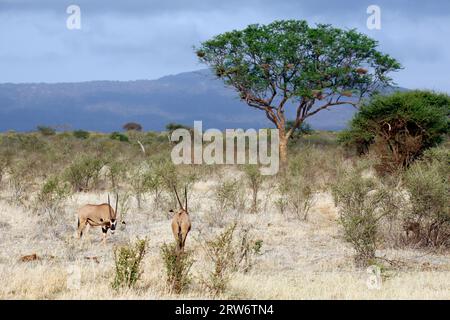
(296, 187)
(229, 252)
(116, 173)
(254, 181)
(52, 196)
(247, 249)
(140, 181)
(400, 127)
(427, 184)
(21, 180)
(177, 265)
(221, 254)
(362, 204)
(81, 134)
(119, 137)
(440, 157)
(84, 172)
(229, 195)
(46, 131)
(167, 176)
(128, 261)
(124, 207)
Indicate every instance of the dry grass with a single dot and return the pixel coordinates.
(299, 260)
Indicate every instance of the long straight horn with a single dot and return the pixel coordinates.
(109, 206)
(117, 204)
(178, 198)
(185, 197)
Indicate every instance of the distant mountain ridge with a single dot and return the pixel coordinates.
(106, 105)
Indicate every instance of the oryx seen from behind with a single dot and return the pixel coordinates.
(102, 215)
(181, 223)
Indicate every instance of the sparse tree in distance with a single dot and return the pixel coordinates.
(174, 126)
(46, 130)
(289, 64)
(132, 126)
(81, 134)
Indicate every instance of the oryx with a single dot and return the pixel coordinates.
(102, 215)
(181, 223)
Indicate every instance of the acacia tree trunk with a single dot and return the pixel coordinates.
(284, 138)
(283, 150)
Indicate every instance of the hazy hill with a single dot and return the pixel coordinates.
(107, 105)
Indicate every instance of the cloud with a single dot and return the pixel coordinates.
(142, 39)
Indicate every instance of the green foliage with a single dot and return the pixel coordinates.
(440, 157)
(83, 173)
(21, 180)
(128, 261)
(52, 196)
(228, 195)
(119, 137)
(142, 179)
(13, 142)
(362, 203)
(229, 252)
(46, 131)
(116, 172)
(81, 134)
(428, 185)
(221, 254)
(270, 65)
(177, 265)
(400, 126)
(229, 201)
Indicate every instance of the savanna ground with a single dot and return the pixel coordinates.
(44, 180)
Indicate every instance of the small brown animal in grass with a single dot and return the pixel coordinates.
(181, 223)
(102, 215)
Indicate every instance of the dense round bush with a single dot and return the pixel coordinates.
(400, 127)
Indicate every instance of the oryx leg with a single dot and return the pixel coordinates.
(104, 231)
(184, 232)
(179, 240)
(183, 241)
(81, 226)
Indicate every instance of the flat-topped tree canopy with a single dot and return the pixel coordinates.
(132, 126)
(314, 67)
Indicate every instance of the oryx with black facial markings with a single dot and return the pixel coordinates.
(102, 215)
(181, 223)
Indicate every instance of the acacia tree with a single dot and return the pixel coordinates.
(290, 64)
(132, 126)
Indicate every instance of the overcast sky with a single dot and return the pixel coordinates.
(145, 39)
